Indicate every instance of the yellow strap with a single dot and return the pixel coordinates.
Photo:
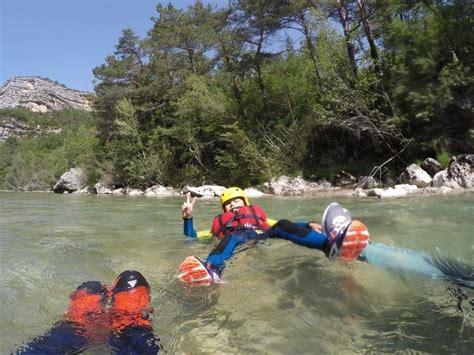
(204, 235)
(271, 222)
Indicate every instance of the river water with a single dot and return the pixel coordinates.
(277, 297)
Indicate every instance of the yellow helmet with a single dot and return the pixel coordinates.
(233, 192)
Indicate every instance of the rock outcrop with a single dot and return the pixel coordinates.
(160, 190)
(41, 95)
(71, 181)
(205, 190)
(344, 179)
(415, 175)
(431, 166)
(459, 174)
(288, 186)
(368, 182)
(11, 127)
(461, 170)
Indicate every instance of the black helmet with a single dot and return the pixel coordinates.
(92, 287)
(128, 280)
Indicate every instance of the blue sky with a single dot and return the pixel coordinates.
(64, 40)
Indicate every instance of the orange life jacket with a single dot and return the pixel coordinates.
(86, 310)
(131, 308)
(246, 217)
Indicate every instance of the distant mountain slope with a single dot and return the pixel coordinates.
(41, 95)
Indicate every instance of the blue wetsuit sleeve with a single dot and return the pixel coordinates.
(312, 239)
(189, 228)
(297, 233)
(223, 251)
(302, 224)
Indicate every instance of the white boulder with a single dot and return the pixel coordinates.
(415, 175)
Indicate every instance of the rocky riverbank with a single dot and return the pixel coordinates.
(428, 178)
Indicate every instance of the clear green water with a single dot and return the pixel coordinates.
(278, 297)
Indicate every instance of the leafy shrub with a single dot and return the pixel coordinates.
(36, 163)
(443, 157)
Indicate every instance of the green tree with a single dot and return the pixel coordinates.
(211, 90)
(429, 70)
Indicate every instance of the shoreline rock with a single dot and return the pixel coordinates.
(457, 178)
(71, 181)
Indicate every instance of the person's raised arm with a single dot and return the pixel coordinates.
(188, 206)
(187, 209)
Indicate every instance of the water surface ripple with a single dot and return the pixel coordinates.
(277, 297)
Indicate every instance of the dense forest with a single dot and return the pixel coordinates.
(238, 94)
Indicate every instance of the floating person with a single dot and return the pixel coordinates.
(118, 316)
(241, 222)
(339, 236)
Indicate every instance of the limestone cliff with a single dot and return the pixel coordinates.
(41, 95)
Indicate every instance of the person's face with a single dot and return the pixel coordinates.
(235, 203)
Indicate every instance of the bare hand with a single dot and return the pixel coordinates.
(316, 227)
(188, 206)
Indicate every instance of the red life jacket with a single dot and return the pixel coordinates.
(246, 217)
